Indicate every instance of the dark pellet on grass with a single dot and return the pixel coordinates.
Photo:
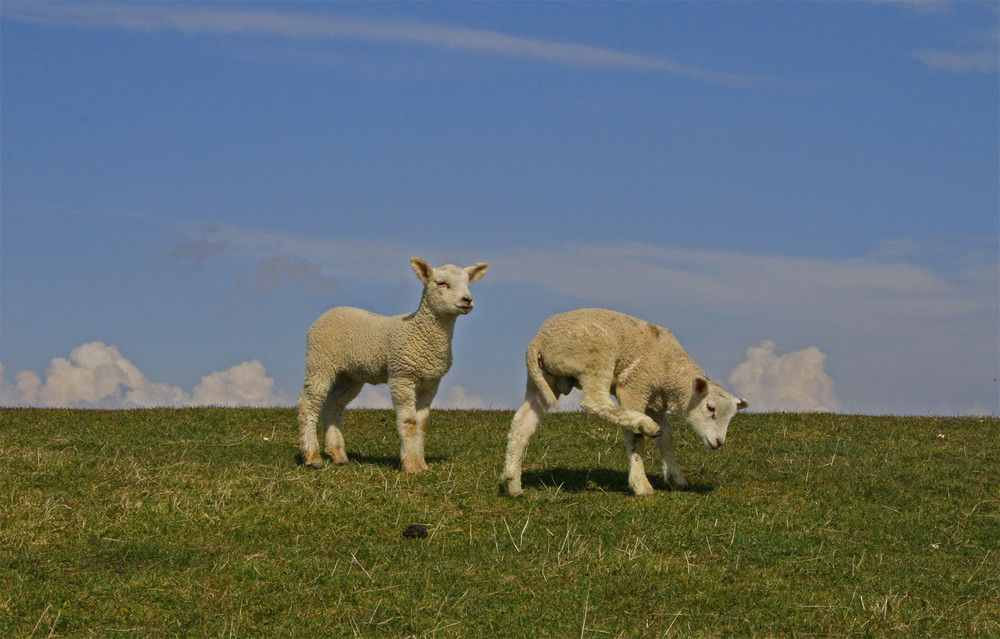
(415, 531)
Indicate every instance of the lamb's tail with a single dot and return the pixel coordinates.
(536, 378)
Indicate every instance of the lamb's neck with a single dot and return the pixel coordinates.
(433, 327)
(680, 381)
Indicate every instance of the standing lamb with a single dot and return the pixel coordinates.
(347, 348)
(606, 353)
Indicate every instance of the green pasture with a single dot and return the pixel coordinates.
(202, 523)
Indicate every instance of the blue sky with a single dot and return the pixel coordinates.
(806, 194)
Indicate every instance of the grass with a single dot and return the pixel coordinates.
(202, 523)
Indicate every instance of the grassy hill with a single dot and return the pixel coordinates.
(201, 522)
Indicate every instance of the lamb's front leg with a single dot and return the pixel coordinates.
(425, 395)
(595, 398)
(671, 471)
(404, 400)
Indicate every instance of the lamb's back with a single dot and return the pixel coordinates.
(574, 341)
(350, 340)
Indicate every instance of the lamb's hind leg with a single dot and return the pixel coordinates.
(522, 427)
(310, 404)
(332, 417)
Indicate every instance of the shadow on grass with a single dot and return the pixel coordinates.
(387, 460)
(376, 460)
(582, 480)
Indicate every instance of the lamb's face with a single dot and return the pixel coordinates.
(710, 410)
(446, 288)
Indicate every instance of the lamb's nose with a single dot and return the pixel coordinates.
(467, 299)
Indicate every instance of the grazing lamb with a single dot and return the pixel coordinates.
(347, 348)
(606, 353)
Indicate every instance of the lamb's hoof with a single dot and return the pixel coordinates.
(510, 489)
(649, 429)
(337, 457)
(678, 485)
(415, 470)
(316, 464)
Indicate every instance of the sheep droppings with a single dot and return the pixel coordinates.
(415, 531)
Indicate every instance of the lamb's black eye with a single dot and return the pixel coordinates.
(444, 284)
(710, 408)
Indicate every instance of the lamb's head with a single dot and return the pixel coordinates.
(446, 288)
(709, 411)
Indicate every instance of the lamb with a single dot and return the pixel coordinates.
(347, 348)
(606, 353)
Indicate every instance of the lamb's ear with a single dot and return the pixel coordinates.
(741, 404)
(422, 269)
(477, 271)
(700, 386)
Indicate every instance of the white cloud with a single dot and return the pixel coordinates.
(922, 7)
(191, 20)
(245, 384)
(883, 314)
(571, 402)
(455, 397)
(458, 397)
(96, 375)
(762, 287)
(881, 318)
(955, 62)
(373, 397)
(790, 382)
(619, 274)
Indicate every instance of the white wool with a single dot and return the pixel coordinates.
(347, 348)
(605, 353)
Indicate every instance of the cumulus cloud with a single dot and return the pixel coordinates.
(791, 382)
(454, 397)
(373, 397)
(571, 402)
(245, 384)
(97, 375)
(458, 397)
